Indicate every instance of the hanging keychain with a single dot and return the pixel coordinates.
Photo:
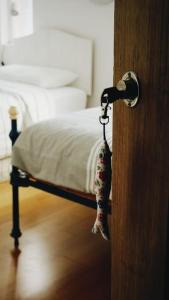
(103, 179)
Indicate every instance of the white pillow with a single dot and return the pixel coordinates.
(45, 77)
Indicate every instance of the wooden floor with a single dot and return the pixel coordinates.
(59, 258)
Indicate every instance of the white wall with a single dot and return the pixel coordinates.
(89, 20)
(22, 24)
(5, 28)
(16, 20)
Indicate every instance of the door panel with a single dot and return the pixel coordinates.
(141, 153)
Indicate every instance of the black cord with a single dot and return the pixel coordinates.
(104, 132)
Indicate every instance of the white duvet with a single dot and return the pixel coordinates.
(63, 151)
(34, 104)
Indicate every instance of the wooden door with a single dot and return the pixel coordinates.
(141, 154)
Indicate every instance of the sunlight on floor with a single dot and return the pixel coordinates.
(34, 275)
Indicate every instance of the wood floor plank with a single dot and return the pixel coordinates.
(59, 257)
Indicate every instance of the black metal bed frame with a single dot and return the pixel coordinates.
(18, 179)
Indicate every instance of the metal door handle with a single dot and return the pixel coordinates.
(127, 89)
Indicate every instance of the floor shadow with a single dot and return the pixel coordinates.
(15, 254)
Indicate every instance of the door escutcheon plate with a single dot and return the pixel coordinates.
(126, 77)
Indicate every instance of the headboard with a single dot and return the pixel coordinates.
(54, 48)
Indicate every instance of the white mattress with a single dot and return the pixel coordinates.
(63, 151)
(34, 104)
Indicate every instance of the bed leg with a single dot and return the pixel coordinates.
(16, 232)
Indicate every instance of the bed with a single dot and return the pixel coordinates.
(58, 156)
(34, 100)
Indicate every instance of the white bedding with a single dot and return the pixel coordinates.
(63, 151)
(34, 104)
(5, 168)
